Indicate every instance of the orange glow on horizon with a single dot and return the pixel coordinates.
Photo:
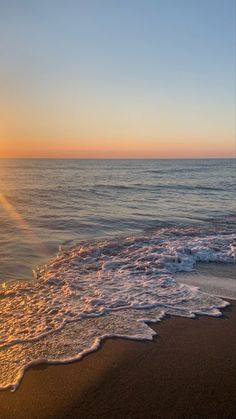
(119, 149)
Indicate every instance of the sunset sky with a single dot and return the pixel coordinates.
(117, 78)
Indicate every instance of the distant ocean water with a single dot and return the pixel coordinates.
(125, 227)
(66, 201)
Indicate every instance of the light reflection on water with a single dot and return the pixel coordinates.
(72, 200)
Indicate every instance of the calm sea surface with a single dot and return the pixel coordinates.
(47, 203)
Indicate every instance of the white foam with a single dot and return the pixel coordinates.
(107, 288)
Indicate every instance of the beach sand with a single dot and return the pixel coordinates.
(188, 371)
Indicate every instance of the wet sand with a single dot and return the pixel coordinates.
(188, 371)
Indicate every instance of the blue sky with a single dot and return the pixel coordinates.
(110, 76)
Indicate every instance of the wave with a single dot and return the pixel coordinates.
(141, 187)
(105, 288)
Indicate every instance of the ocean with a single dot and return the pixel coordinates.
(90, 248)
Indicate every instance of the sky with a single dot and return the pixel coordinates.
(117, 78)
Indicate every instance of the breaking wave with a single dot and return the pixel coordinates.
(105, 288)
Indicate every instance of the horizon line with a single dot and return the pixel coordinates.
(118, 158)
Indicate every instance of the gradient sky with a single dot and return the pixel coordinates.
(117, 78)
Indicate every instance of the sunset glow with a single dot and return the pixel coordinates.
(78, 86)
(126, 149)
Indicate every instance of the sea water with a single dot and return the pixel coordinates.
(125, 228)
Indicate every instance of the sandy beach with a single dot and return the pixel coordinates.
(188, 371)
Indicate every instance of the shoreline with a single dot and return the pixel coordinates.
(187, 371)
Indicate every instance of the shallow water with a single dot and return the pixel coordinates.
(213, 278)
(127, 229)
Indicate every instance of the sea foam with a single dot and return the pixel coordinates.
(104, 288)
